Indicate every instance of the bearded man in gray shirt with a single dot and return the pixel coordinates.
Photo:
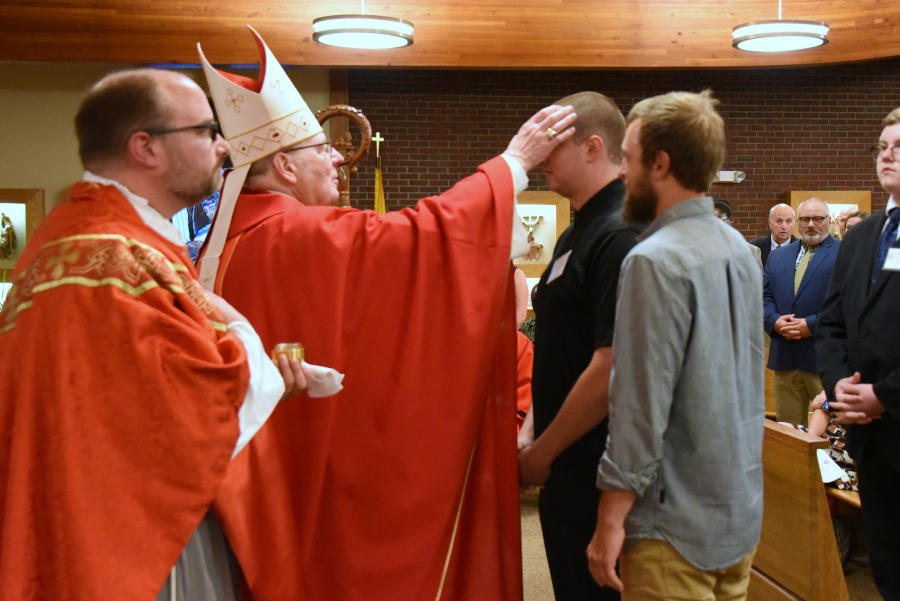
(682, 472)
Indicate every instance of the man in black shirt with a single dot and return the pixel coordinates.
(575, 305)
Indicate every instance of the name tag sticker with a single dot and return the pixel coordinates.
(892, 261)
(559, 266)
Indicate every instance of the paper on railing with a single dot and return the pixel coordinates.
(831, 471)
(323, 381)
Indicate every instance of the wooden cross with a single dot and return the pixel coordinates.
(378, 140)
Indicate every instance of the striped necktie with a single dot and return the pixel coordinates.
(885, 242)
(801, 268)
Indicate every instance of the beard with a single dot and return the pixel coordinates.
(811, 239)
(191, 185)
(641, 201)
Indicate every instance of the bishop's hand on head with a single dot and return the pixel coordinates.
(536, 139)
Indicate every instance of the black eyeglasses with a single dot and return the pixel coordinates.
(212, 126)
(817, 220)
(877, 151)
(327, 144)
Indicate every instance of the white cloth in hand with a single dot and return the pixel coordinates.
(322, 381)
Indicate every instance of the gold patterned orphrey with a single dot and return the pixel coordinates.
(535, 248)
(291, 350)
(7, 237)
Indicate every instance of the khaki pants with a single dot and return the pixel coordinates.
(654, 571)
(793, 392)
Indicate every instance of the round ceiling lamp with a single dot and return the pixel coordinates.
(363, 31)
(780, 35)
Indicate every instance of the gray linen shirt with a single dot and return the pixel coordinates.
(686, 395)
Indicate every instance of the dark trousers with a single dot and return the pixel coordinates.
(879, 492)
(568, 509)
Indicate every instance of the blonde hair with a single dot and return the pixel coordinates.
(892, 118)
(687, 127)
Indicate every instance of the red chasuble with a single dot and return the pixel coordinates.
(119, 392)
(404, 486)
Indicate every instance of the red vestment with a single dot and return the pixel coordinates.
(404, 486)
(119, 393)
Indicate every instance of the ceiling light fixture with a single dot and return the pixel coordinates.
(364, 31)
(779, 36)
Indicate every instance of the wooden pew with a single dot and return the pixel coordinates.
(797, 557)
(845, 496)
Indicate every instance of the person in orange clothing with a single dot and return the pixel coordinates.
(403, 486)
(524, 350)
(125, 388)
(524, 366)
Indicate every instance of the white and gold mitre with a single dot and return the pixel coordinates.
(261, 117)
(257, 118)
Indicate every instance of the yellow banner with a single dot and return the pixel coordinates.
(379, 191)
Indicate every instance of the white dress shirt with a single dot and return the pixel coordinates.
(776, 245)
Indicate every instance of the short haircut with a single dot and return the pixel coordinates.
(813, 198)
(262, 166)
(772, 210)
(597, 115)
(892, 119)
(117, 106)
(687, 127)
(723, 206)
(860, 214)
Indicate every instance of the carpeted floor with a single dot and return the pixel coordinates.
(537, 576)
(534, 560)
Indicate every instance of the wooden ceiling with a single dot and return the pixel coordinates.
(449, 33)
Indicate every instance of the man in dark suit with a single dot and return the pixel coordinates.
(794, 288)
(781, 224)
(858, 341)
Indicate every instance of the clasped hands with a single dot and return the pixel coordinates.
(534, 469)
(855, 403)
(792, 328)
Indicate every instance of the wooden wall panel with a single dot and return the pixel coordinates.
(449, 33)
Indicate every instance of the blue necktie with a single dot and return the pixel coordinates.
(887, 239)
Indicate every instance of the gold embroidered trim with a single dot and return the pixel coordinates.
(132, 290)
(14, 312)
(95, 260)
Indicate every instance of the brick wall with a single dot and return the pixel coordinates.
(800, 128)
